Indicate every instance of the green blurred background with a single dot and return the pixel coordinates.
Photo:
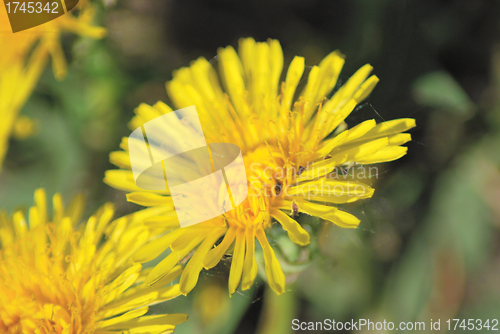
(428, 246)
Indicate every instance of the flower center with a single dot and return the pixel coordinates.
(38, 294)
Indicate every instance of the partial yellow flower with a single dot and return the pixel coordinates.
(24, 127)
(24, 56)
(291, 148)
(55, 279)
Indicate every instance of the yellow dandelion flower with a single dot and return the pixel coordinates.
(55, 279)
(290, 147)
(24, 56)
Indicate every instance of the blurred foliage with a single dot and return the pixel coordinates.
(428, 244)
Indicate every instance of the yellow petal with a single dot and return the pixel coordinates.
(115, 308)
(237, 262)
(121, 179)
(399, 139)
(191, 273)
(120, 159)
(116, 286)
(341, 156)
(329, 213)
(366, 88)
(188, 234)
(310, 91)
(41, 204)
(359, 152)
(250, 266)
(385, 154)
(232, 78)
(388, 128)
(331, 65)
(346, 136)
(145, 113)
(149, 199)
(20, 225)
(293, 76)
(215, 254)
(328, 145)
(167, 279)
(349, 89)
(162, 319)
(124, 180)
(274, 273)
(321, 81)
(332, 191)
(155, 247)
(246, 51)
(361, 129)
(138, 218)
(296, 233)
(329, 120)
(125, 317)
(276, 60)
(169, 292)
(58, 205)
(166, 265)
(168, 221)
(260, 85)
(6, 230)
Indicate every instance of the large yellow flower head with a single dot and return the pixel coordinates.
(23, 58)
(291, 142)
(54, 279)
